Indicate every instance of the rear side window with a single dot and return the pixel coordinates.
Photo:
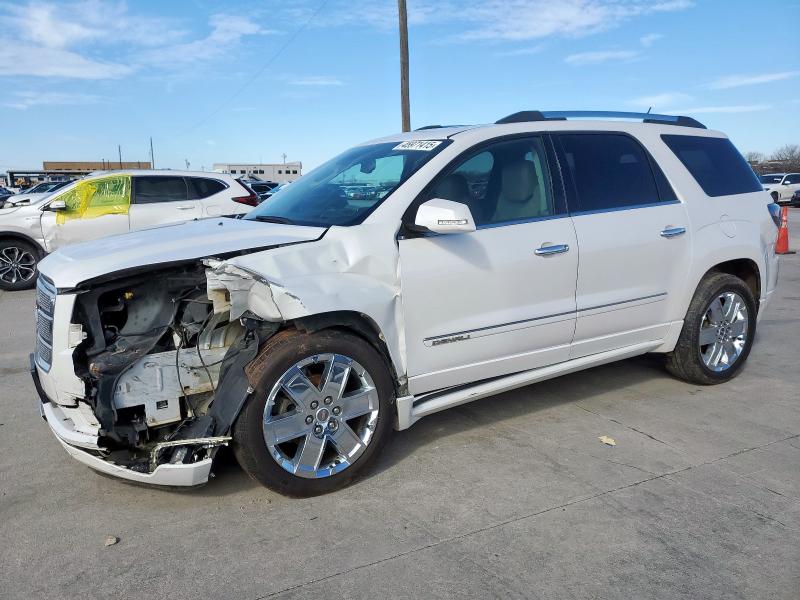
(792, 179)
(715, 164)
(150, 190)
(609, 171)
(201, 187)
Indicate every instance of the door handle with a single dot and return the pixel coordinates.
(671, 232)
(548, 250)
(185, 207)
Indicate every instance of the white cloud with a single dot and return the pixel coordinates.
(526, 51)
(39, 61)
(511, 20)
(600, 56)
(316, 80)
(226, 32)
(742, 108)
(28, 99)
(650, 39)
(660, 100)
(46, 39)
(733, 81)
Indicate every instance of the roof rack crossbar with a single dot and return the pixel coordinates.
(563, 115)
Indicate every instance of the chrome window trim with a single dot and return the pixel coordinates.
(581, 213)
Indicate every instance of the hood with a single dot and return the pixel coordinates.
(21, 199)
(75, 264)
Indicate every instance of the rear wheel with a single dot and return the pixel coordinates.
(320, 412)
(717, 333)
(18, 262)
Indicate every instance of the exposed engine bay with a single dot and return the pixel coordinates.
(163, 364)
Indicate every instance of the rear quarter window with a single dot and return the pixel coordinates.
(715, 164)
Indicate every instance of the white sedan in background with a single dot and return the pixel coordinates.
(781, 186)
(108, 203)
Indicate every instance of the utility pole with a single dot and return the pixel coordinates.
(188, 164)
(119, 149)
(152, 160)
(404, 104)
(284, 157)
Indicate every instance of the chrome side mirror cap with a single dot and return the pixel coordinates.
(444, 216)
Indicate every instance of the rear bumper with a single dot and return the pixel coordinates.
(85, 448)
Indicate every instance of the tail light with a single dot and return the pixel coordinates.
(251, 199)
(775, 213)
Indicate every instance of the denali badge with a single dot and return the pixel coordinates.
(453, 221)
(448, 340)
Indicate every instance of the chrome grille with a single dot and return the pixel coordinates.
(45, 305)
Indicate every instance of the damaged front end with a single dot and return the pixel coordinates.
(161, 356)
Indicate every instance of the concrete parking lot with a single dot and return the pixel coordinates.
(510, 497)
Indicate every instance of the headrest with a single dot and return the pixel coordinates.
(453, 187)
(519, 181)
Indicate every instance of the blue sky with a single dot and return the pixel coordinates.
(233, 81)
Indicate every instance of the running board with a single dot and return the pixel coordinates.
(411, 409)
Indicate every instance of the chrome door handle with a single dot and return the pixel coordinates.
(185, 207)
(548, 250)
(671, 232)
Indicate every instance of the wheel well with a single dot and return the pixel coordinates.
(358, 324)
(746, 270)
(775, 195)
(23, 238)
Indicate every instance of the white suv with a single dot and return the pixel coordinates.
(473, 260)
(106, 203)
(781, 186)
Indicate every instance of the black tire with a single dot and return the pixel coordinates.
(279, 354)
(8, 249)
(686, 362)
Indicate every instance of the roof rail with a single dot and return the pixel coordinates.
(436, 127)
(563, 115)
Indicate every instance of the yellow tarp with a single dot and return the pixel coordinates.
(95, 198)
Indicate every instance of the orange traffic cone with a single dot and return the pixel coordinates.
(782, 244)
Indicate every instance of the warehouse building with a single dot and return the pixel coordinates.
(281, 172)
(59, 170)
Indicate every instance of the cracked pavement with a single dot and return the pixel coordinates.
(509, 497)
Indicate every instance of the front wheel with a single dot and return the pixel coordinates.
(320, 412)
(18, 262)
(717, 333)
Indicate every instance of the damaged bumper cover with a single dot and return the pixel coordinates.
(85, 447)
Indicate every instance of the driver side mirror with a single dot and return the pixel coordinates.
(444, 216)
(56, 205)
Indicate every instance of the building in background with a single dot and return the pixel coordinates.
(59, 170)
(281, 172)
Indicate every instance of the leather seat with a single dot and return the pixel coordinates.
(520, 193)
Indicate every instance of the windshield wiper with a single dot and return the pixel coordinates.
(271, 219)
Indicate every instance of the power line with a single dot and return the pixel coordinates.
(261, 69)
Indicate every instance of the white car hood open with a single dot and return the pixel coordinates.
(75, 264)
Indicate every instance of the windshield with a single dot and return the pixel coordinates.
(343, 191)
(771, 178)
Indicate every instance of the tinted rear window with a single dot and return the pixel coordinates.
(610, 171)
(715, 164)
(200, 187)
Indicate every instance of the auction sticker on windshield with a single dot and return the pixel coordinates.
(424, 145)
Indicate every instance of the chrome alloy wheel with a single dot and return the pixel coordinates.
(16, 264)
(723, 331)
(320, 415)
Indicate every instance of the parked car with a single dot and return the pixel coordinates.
(781, 186)
(33, 194)
(304, 332)
(262, 188)
(47, 186)
(107, 203)
(794, 201)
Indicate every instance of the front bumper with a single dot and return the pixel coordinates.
(85, 448)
